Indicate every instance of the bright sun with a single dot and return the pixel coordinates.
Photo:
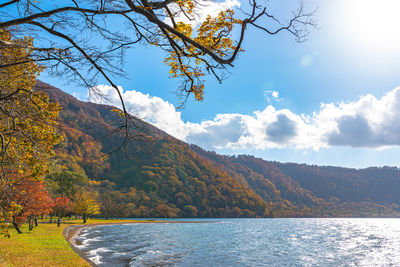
(372, 25)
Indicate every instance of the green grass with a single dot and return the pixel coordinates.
(45, 245)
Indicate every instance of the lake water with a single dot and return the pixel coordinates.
(247, 242)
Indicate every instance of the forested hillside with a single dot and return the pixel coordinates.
(157, 175)
(308, 190)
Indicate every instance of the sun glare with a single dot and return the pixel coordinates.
(372, 25)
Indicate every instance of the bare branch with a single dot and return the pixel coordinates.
(65, 37)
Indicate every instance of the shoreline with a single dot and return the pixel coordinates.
(71, 232)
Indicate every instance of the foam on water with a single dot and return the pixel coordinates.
(96, 259)
(154, 258)
(94, 255)
(98, 250)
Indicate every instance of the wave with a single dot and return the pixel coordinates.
(244, 242)
(97, 250)
(84, 234)
(85, 242)
(96, 259)
(155, 258)
(94, 255)
(120, 253)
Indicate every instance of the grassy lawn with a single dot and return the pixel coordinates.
(43, 246)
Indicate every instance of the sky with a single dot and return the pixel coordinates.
(332, 100)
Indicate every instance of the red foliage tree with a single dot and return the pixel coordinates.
(62, 206)
(32, 200)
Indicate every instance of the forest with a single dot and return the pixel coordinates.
(156, 175)
(94, 171)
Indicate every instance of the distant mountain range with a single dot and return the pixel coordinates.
(157, 175)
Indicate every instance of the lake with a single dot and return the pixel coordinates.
(246, 242)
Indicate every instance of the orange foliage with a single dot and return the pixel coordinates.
(31, 198)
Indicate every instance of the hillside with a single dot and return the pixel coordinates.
(157, 175)
(318, 190)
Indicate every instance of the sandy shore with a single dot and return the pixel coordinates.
(72, 232)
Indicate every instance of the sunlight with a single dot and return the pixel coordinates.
(372, 25)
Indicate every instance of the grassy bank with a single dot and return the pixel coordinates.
(45, 245)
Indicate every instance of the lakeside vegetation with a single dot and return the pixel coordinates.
(44, 246)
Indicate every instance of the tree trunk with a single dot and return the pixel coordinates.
(35, 219)
(14, 223)
(58, 221)
(30, 220)
(17, 227)
(84, 218)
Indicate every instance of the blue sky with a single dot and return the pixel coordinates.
(331, 100)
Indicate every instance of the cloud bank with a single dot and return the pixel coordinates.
(366, 122)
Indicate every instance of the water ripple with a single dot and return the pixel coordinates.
(247, 242)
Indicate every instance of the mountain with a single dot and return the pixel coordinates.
(309, 190)
(157, 175)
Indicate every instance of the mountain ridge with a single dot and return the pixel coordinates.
(166, 177)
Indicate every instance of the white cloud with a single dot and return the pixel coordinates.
(152, 109)
(271, 95)
(202, 10)
(81, 96)
(366, 122)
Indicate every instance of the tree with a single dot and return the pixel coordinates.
(67, 183)
(87, 39)
(30, 199)
(62, 206)
(27, 123)
(107, 204)
(190, 211)
(163, 210)
(113, 204)
(85, 204)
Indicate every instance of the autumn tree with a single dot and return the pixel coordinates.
(190, 211)
(85, 204)
(166, 211)
(66, 183)
(62, 206)
(30, 199)
(112, 204)
(107, 204)
(86, 40)
(27, 125)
